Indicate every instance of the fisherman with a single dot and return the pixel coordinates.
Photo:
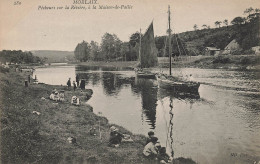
(75, 100)
(150, 151)
(115, 137)
(74, 85)
(150, 135)
(52, 95)
(56, 96)
(77, 80)
(62, 96)
(69, 83)
(163, 157)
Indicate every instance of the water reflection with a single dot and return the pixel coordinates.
(148, 90)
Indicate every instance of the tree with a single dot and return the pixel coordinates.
(94, 51)
(134, 38)
(195, 27)
(237, 21)
(248, 10)
(110, 46)
(205, 26)
(225, 22)
(82, 51)
(218, 23)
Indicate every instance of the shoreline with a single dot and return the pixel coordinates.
(27, 137)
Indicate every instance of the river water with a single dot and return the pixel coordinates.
(220, 125)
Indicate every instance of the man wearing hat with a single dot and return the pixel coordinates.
(115, 137)
(150, 151)
(75, 100)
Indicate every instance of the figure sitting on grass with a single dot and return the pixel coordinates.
(150, 135)
(150, 151)
(75, 100)
(54, 95)
(115, 137)
(163, 157)
(62, 96)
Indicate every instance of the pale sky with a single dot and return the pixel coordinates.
(27, 28)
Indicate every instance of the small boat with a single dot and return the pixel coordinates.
(176, 84)
(173, 83)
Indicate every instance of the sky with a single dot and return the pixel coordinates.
(27, 27)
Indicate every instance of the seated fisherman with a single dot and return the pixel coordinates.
(75, 100)
(62, 97)
(163, 157)
(52, 95)
(115, 137)
(56, 96)
(150, 151)
(150, 135)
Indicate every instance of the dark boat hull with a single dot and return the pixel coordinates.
(178, 85)
(146, 75)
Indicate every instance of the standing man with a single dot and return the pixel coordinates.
(69, 83)
(77, 80)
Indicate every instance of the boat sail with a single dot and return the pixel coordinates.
(173, 83)
(147, 53)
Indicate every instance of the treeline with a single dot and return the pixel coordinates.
(19, 57)
(110, 49)
(245, 30)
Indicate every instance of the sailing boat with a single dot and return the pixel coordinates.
(173, 83)
(147, 54)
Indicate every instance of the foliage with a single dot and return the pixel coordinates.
(237, 21)
(82, 51)
(110, 46)
(19, 57)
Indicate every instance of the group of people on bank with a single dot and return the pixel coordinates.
(153, 152)
(80, 83)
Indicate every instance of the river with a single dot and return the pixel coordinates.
(220, 125)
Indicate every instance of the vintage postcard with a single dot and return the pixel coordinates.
(130, 81)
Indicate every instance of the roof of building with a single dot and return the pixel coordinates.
(212, 49)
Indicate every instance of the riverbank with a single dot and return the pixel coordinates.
(233, 62)
(35, 129)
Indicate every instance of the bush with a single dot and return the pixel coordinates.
(4, 70)
(222, 60)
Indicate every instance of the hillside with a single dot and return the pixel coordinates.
(54, 56)
(193, 42)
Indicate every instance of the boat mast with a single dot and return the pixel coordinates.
(170, 48)
(140, 47)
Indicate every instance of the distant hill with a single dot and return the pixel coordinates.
(54, 56)
(193, 42)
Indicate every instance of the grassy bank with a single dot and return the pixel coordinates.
(242, 62)
(130, 64)
(215, 62)
(27, 137)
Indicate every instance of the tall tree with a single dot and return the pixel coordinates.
(110, 46)
(237, 21)
(218, 23)
(95, 51)
(82, 51)
(225, 22)
(195, 27)
(248, 10)
(205, 26)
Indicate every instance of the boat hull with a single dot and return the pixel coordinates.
(179, 86)
(146, 75)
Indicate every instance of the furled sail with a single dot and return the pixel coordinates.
(148, 49)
